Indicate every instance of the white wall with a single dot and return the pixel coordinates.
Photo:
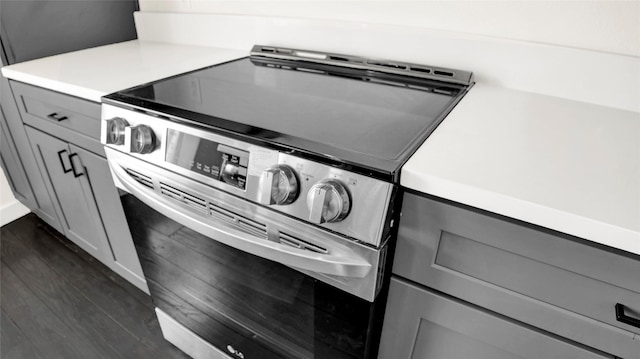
(596, 77)
(5, 191)
(605, 25)
(10, 208)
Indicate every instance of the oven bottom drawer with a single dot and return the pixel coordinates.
(185, 340)
(233, 299)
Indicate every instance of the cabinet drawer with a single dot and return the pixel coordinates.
(423, 324)
(67, 117)
(555, 282)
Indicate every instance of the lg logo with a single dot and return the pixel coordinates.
(235, 352)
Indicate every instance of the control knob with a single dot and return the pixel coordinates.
(278, 185)
(115, 130)
(230, 173)
(328, 201)
(139, 139)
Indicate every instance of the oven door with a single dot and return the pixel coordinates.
(231, 275)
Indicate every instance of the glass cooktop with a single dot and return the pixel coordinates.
(358, 117)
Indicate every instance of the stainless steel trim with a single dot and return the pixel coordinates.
(392, 67)
(365, 222)
(186, 340)
(326, 256)
(369, 199)
(340, 261)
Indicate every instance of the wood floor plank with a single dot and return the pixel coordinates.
(14, 343)
(132, 313)
(76, 311)
(32, 243)
(58, 243)
(44, 329)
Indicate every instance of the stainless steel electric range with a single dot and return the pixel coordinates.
(262, 195)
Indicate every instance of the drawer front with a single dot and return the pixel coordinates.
(423, 324)
(558, 283)
(41, 107)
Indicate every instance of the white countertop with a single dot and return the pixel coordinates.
(569, 166)
(95, 72)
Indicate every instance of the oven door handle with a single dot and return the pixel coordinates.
(339, 261)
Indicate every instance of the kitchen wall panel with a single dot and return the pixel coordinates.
(608, 26)
(582, 75)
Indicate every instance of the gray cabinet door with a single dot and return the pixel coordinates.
(12, 167)
(122, 257)
(41, 203)
(551, 281)
(66, 176)
(424, 324)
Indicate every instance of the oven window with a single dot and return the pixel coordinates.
(233, 299)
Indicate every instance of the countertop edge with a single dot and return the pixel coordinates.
(58, 86)
(551, 218)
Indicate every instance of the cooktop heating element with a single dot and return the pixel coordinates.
(339, 109)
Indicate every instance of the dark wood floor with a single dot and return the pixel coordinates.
(59, 302)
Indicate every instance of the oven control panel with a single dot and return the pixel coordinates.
(329, 197)
(208, 158)
(199, 155)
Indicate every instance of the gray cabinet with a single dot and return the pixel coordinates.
(424, 324)
(19, 162)
(70, 118)
(68, 182)
(555, 283)
(34, 29)
(85, 208)
(63, 132)
(101, 190)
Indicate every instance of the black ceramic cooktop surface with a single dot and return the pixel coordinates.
(373, 121)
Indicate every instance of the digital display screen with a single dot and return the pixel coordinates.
(208, 158)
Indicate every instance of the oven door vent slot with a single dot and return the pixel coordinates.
(248, 225)
(274, 56)
(221, 213)
(184, 197)
(299, 243)
(142, 179)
